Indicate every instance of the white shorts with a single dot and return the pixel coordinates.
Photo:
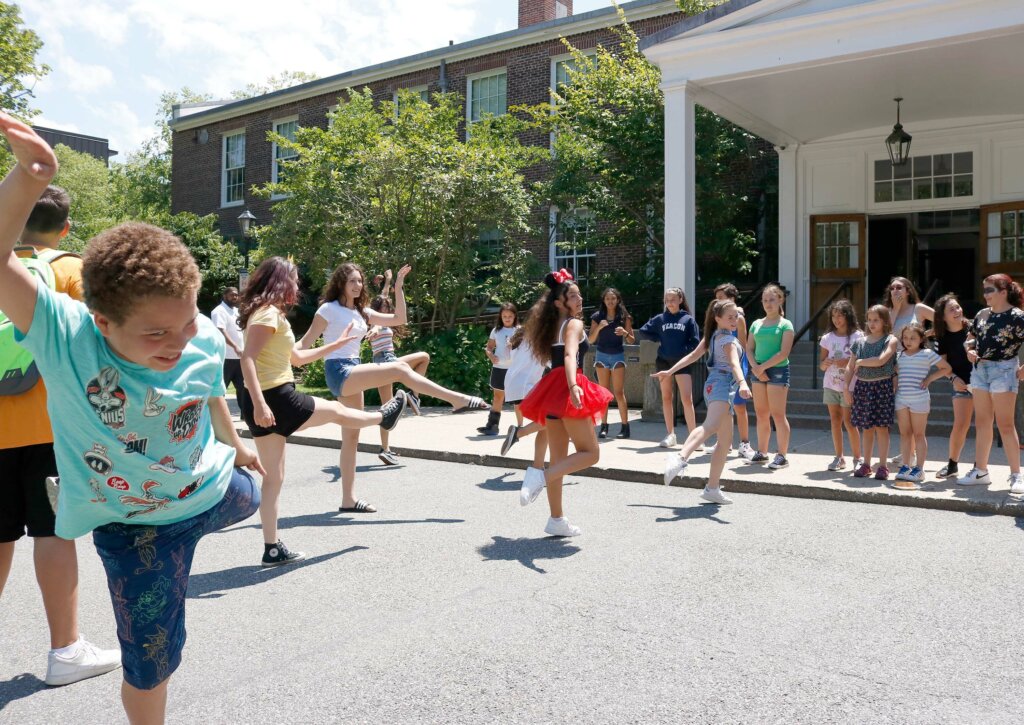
(916, 404)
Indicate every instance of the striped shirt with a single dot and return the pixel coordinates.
(912, 370)
(384, 341)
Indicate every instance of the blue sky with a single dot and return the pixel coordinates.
(112, 59)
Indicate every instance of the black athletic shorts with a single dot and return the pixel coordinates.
(24, 506)
(291, 410)
(662, 364)
(498, 378)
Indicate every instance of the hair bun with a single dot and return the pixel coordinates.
(551, 281)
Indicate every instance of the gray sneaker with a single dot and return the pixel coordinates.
(778, 462)
(837, 464)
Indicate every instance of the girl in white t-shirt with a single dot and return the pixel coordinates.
(498, 353)
(843, 331)
(345, 302)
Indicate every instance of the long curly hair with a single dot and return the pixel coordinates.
(846, 309)
(912, 297)
(541, 327)
(621, 313)
(273, 283)
(939, 327)
(334, 290)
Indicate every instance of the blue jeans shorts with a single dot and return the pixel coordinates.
(387, 356)
(610, 360)
(776, 376)
(961, 394)
(337, 370)
(995, 376)
(147, 574)
(720, 387)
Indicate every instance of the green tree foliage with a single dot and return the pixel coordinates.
(285, 79)
(19, 69)
(608, 123)
(696, 7)
(381, 188)
(87, 181)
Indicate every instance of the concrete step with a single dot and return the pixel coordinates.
(938, 428)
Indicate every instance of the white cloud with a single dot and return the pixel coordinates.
(84, 17)
(83, 77)
(121, 125)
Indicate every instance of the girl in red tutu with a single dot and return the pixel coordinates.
(564, 401)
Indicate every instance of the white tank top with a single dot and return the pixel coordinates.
(338, 318)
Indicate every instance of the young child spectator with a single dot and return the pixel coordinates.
(843, 331)
(872, 365)
(914, 364)
(27, 460)
(611, 326)
(769, 341)
(677, 335)
(505, 324)
(950, 333)
(143, 438)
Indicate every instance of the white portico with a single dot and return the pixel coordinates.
(817, 78)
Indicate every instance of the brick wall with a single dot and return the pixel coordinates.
(532, 12)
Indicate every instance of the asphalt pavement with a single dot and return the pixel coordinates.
(451, 605)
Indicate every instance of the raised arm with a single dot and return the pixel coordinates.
(400, 316)
(20, 190)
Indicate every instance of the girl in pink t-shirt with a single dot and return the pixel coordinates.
(843, 331)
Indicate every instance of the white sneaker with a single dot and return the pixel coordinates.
(974, 477)
(715, 495)
(89, 661)
(533, 484)
(561, 527)
(668, 441)
(1017, 483)
(674, 465)
(838, 463)
(745, 450)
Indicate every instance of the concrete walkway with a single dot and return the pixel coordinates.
(439, 435)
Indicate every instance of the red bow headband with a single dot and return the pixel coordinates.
(563, 275)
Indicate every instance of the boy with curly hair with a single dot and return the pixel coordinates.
(144, 442)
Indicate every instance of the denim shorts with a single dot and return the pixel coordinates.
(147, 574)
(995, 376)
(609, 360)
(778, 375)
(388, 356)
(961, 394)
(720, 387)
(337, 370)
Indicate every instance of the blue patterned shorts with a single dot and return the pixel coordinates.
(147, 574)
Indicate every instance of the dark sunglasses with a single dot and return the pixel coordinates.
(989, 290)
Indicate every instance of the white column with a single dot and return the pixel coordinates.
(680, 190)
(790, 261)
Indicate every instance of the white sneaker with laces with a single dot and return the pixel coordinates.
(674, 465)
(745, 450)
(715, 495)
(837, 464)
(89, 661)
(533, 484)
(561, 527)
(1017, 483)
(668, 441)
(974, 477)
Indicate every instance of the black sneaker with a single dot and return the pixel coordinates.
(392, 410)
(759, 457)
(603, 431)
(623, 431)
(511, 438)
(413, 401)
(279, 555)
(390, 458)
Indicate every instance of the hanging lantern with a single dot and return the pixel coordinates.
(898, 142)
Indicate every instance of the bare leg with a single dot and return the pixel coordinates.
(919, 426)
(349, 450)
(883, 445)
(852, 432)
(418, 361)
(271, 450)
(763, 413)
(619, 391)
(963, 411)
(685, 383)
(906, 435)
(721, 452)
(540, 447)
(1004, 405)
(558, 443)
(584, 440)
(835, 415)
(364, 377)
(868, 435)
(668, 399)
(712, 425)
(56, 564)
(984, 415)
(777, 397)
(498, 401)
(519, 415)
(604, 379)
(145, 707)
(743, 422)
(331, 411)
(6, 558)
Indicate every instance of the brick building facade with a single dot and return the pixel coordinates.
(220, 152)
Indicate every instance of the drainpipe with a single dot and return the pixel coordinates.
(443, 80)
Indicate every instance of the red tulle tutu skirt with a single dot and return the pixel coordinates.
(551, 397)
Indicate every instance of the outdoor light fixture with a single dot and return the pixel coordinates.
(898, 143)
(245, 220)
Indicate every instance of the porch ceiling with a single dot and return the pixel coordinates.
(962, 78)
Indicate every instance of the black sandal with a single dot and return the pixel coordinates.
(361, 507)
(474, 403)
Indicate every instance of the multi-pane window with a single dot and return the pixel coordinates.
(233, 169)
(488, 96)
(571, 247)
(286, 129)
(1005, 236)
(936, 176)
(836, 245)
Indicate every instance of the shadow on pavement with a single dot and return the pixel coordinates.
(216, 583)
(688, 513)
(334, 518)
(335, 472)
(527, 551)
(19, 686)
(498, 483)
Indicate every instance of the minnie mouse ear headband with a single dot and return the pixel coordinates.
(556, 278)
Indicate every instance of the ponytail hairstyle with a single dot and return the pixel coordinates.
(716, 308)
(1014, 294)
(939, 329)
(541, 328)
(683, 303)
(846, 309)
(275, 282)
(775, 289)
(506, 307)
(883, 312)
(621, 313)
(334, 290)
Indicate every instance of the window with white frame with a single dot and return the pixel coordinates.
(232, 178)
(1005, 234)
(570, 245)
(932, 176)
(488, 95)
(286, 128)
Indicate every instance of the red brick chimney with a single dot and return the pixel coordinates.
(532, 12)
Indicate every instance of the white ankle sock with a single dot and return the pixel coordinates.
(71, 650)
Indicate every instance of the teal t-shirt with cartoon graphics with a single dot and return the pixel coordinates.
(133, 445)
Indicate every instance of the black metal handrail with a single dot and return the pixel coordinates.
(932, 289)
(812, 325)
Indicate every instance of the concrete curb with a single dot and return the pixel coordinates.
(998, 504)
